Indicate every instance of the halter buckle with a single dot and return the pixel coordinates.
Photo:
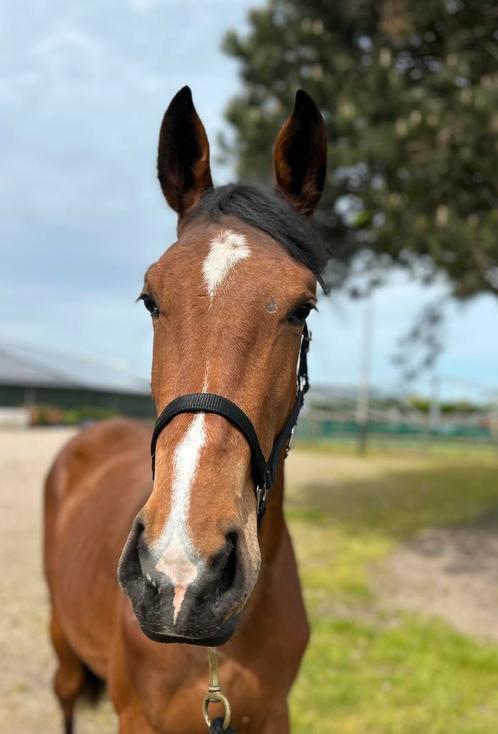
(262, 493)
(290, 442)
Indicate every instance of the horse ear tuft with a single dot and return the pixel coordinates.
(300, 155)
(183, 155)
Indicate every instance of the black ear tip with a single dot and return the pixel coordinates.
(183, 98)
(304, 102)
(302, 96)
(185, 92)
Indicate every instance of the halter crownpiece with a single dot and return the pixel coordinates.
(205, 402)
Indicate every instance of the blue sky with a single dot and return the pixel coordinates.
(83, 88)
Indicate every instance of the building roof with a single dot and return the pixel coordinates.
(27, 366)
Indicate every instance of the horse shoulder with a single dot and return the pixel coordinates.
(98, 482)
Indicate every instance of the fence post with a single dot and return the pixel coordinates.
(363, 395)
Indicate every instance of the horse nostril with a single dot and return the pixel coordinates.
(130, 566)
(229, 570)
(153, 579)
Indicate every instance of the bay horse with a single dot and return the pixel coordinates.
(228, 303)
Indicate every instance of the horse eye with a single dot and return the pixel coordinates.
(150, 305)
(300, 314)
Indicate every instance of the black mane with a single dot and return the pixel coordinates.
(272, 213)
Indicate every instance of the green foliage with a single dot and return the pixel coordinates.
(44, 415)
(447, 407)
(409, 93)
(87, 414)
(47, 415)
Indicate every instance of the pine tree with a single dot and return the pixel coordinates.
(409, 91)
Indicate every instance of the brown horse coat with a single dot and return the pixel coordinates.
(99, 482)
(228, 303)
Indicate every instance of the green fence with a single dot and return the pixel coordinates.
(311, 429)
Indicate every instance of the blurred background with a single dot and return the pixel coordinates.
(393, 483)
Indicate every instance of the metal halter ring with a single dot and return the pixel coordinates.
(216, 696)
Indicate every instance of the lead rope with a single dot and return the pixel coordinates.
(216, 695)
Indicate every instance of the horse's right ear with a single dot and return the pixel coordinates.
(183, 155)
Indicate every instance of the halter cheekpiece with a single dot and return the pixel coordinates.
(204, 402)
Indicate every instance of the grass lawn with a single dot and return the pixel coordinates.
(367, 672)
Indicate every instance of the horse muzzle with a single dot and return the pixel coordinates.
(173, 602)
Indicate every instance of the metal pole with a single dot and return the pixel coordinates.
(363, 396)
(434, 412)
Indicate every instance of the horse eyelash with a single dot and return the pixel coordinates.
(146, 297)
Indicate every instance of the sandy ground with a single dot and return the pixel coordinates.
(27, 705)
(447, 572)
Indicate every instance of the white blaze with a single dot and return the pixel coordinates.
(177, 553)
(176, 556)
(226, 250)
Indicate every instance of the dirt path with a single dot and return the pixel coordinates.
(447, 572)
(27, 705)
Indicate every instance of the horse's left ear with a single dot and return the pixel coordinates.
(183, 155)
(300, 155)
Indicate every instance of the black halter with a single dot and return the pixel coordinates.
(205, 402)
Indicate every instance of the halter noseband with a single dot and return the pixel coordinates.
(204, 402)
